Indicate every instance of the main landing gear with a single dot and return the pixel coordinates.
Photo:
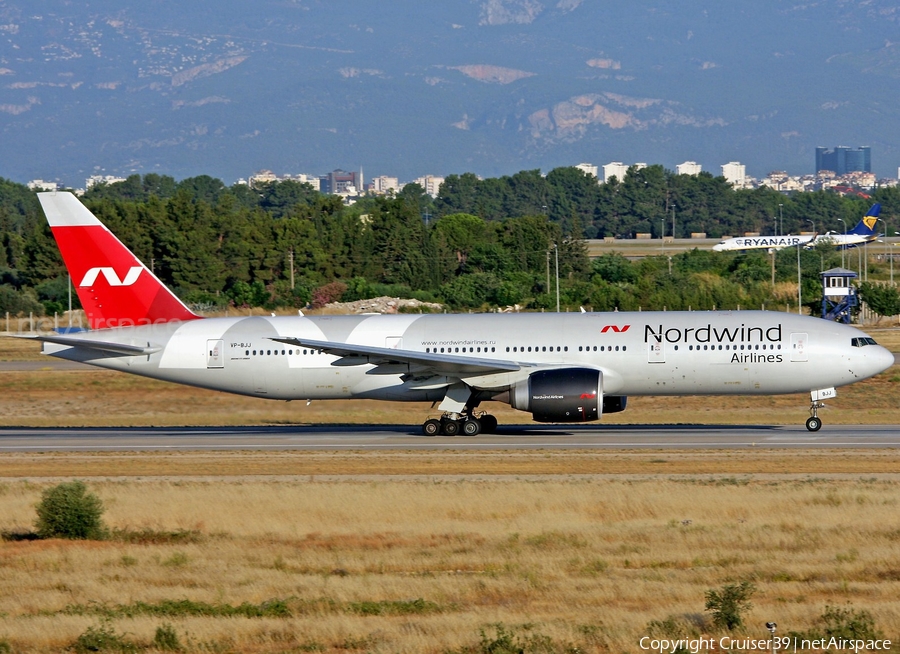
(467, 424)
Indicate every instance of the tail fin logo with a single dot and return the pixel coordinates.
(111, 277)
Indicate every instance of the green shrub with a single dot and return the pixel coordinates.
(68, 510)
(166, 639)
(506, 641)
(102, 639)
(728, 605)
(394, 607)
(845, 623)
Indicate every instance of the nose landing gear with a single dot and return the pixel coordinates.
(814, 423)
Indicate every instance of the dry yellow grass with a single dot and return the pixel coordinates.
(239, 465)
(586, 562)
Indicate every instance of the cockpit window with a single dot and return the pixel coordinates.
(862, 341)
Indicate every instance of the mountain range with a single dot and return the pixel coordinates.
(402, 88)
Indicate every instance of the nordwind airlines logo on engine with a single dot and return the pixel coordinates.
(111, 277)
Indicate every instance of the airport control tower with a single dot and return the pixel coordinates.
(839, 297)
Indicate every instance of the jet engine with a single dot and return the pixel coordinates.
(562, 395)
(614, 403)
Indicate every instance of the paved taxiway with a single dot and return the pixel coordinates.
(407, 437)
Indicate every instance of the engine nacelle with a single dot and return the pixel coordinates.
(561, 395)
(614, 403)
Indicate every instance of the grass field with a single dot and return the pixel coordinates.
(428, 566)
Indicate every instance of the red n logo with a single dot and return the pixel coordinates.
(614, 328)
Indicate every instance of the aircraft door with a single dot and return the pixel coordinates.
(799, 343)
(215, 354)
(656, 351)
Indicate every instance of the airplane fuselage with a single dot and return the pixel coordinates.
(762, 243)
(638, 353)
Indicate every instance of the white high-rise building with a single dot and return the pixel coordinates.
(688, 168)
(588, 169)
(735, 173)
(431, 184)
(384, 184)
(617, 169)
(614, 169)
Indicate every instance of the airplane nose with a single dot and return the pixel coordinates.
(880, 357)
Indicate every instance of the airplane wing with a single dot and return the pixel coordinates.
(444, 364)
(118, 349)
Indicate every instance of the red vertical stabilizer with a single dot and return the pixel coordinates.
(115, 289)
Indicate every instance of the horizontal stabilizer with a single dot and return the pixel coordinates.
(98, 346)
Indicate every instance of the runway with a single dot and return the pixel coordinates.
(408, 437)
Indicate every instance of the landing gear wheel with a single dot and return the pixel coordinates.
(813, 424)
(431, 427)
(488, 424)
(471, 427)
(449, 428)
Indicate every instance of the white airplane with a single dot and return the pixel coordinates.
(762, 242)
(560, 367)
(863, 233)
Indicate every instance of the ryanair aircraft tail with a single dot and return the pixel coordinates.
(115, 289)
(866, 226)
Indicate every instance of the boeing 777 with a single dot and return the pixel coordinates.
(560, 367)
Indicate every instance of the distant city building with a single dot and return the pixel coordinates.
(312, 180)
(587, 169)
(41, 185)
(93, 180)
(267, 177)
(262, 177)
(843, 160)
(617, 169)
(430, 183)
(383, 184)
(735, 173)
(781, 181)
(688, 168)
(340, 182)
(614, 169)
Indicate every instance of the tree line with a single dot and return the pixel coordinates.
(478, 244)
